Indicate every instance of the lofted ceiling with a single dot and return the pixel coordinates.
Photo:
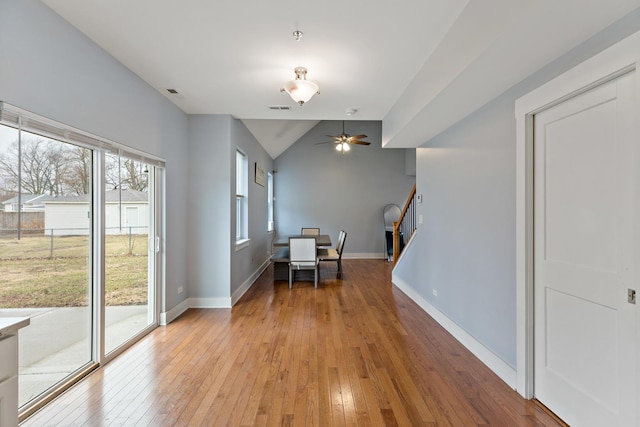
(419, 66)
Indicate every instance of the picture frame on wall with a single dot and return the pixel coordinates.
(260, 175)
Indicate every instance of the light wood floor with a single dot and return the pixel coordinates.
(353, 352)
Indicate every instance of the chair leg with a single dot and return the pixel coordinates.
(315, 276)
(290, 277)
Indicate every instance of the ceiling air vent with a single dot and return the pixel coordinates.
(173, 93)
(279, 107)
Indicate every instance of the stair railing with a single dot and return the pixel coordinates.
(404, 228)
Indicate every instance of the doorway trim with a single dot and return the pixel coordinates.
(607, 65)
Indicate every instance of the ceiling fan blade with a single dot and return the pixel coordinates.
(358, 136)
(359, 142)
(333, 136)
(327, 142)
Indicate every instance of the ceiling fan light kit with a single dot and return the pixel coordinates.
(343, 147)
(344, 141)
(301, 90)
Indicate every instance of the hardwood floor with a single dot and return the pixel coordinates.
(355, 351)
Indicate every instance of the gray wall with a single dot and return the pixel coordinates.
(216, 269)
(49, 68)
(245, 262)
(315, 186)
(209, 206)
(466, 247)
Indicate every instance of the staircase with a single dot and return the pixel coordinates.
(404, 228)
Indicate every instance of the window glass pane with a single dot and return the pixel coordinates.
(45, 255)
(129, 281)
(239, 173)
(242, 202)
(270, 224)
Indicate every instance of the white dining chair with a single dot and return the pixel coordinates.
(302, 256)
(334, 255)
(308, 231)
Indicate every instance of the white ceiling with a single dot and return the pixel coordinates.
(417, 65)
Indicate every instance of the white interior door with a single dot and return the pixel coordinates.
(586, 244)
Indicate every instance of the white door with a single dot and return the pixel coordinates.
(586, 245)
(131, 216)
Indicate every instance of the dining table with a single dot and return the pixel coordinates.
(322, 240)
(280, 259)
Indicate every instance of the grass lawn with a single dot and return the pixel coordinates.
(31, 277)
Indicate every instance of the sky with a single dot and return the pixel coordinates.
(7, 136)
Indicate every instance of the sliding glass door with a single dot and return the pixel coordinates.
(80, 233)
(46, 255)
(129, 238)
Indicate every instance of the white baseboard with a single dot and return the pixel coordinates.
(247, 283)
(364, 255)
(486, 356)
(171, 315)
(209, 302)
(175, 312)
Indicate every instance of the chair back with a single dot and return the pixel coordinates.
(302, 249)
(390, 214)
(341, 238)
(306, 231)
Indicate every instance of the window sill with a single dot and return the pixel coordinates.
(241, 244)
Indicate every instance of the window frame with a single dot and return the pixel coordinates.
(242, 200)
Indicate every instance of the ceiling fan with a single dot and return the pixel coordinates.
(344, 139)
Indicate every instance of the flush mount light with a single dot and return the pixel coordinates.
(300, 89)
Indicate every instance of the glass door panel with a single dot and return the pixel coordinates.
(46, 255)
(129, 278)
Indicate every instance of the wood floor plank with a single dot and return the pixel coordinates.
(355, 352)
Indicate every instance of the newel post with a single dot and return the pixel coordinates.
(396, 242)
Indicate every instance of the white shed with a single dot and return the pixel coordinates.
(127, 212)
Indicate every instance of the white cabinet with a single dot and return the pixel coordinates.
(9, 402)
(9, 369)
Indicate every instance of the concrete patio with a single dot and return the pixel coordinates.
(57, 342)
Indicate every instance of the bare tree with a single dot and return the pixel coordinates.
(46, 167)
(78, 176)
(126, 173)
(35, 168)
(136, 177)
(9, 168)
(57, 168)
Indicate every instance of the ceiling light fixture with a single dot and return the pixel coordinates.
(300, 89)
(343, 147)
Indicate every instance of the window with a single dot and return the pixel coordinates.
(242, 200)
(270, 223)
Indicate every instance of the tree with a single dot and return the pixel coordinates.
(78, 178)
(34, 171)
(57, 168)
(46, 167)
(136, 177)
(126, 173)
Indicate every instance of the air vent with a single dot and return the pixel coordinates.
(279, 107)
(174, 94)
